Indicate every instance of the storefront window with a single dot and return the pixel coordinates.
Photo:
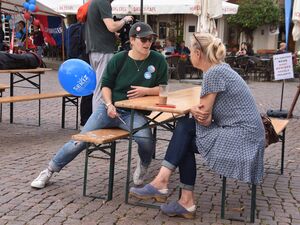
(162, 30)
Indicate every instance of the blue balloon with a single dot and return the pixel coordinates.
(8, 17)
(18, 35)
(31, 7)
(77, 77)
(32, 2)
(26, 5)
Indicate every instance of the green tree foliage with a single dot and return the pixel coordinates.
(253, 14)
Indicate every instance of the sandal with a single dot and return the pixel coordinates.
(175, 209)
(148, 192)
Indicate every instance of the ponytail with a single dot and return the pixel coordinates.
(212, 47)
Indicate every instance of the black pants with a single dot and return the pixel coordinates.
(86, 108)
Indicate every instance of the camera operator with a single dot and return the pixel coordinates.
(100, 39)
(124, 34)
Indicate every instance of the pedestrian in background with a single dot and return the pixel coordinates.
(100, 39)
(38, 40)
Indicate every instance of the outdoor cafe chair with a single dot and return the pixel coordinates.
(243, 63)
(260, 68)
(231, 60)
(172, 66)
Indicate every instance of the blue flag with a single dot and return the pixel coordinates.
(287, 12)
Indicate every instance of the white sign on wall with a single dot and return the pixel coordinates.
(283, 66)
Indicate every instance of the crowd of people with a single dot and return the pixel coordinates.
(33, 40)
(168, 48)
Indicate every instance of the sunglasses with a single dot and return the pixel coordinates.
(198, 42)
(145, 39)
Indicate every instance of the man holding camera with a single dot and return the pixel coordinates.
(100, 39)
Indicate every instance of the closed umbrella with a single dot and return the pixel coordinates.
(296, 20)
(207, 11)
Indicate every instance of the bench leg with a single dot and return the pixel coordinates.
(223, 197)
(86, 169)
(253, 203)
(77, 106)
(90, 148)
(282, 151)
(0, 108)
(154, 137)
(63, 112)
(74, 101)
(111, 171)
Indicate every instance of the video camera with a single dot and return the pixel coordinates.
(124, 33)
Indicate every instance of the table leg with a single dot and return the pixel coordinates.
(39, 87)
(11, 94)
(129, 157)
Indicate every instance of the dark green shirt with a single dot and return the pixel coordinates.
(98, 37)
(122, 72)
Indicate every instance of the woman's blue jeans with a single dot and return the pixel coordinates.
(181, 152)
(99, 119)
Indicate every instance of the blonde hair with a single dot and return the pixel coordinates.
(210, 46)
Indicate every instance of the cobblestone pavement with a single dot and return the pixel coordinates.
(25, 150)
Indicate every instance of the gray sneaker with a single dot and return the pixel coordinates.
(139, 173)
(42, 179)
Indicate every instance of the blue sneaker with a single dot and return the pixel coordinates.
(175, 209)
(149, 192)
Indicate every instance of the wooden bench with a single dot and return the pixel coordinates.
(104, 140)
(279, 126)
(3, 87)
(66, 98)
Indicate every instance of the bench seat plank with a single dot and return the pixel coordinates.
(101, 136)
(35, 70)
(3, 87)
(34, 97)
(107, 135)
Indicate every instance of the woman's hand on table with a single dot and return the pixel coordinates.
(137, 91)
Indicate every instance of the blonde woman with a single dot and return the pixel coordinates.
(226, 129)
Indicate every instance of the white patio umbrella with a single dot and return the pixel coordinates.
(207, 11)
(296, 20)
(64, 6)
(158, 7)
(133, 7)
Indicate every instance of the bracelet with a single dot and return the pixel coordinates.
(108, 104)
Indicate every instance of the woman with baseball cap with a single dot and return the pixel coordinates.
(131, 74)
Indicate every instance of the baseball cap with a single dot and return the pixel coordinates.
(141, 29)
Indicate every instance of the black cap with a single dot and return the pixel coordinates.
(141, 29)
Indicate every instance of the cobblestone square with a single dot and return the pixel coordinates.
(26, 148)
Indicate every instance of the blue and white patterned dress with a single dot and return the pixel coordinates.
(233, 145)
